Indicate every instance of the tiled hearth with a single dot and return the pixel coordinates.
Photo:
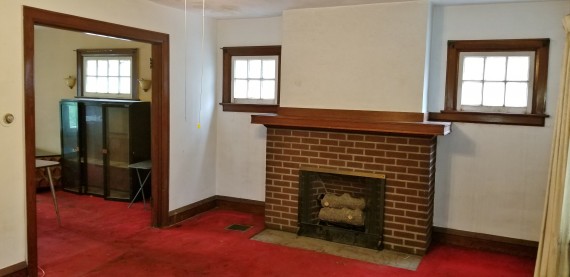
(407, 161)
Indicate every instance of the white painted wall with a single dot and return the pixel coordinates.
(193, 149)
(240, 159)
(56, 59)
(192, 157)
(367, 57)
(492, 178)
(13, 196)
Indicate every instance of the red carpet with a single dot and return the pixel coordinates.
(104, 238)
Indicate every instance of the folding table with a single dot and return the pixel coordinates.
(144, 165)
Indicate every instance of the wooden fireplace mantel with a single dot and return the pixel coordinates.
(351, 120)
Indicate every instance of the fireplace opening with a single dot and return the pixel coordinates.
(342, 206)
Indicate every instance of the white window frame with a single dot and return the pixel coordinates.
(256, 100)
(107, 93)
(497, 109)
(84, 55)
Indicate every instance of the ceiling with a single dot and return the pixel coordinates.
(268, 8)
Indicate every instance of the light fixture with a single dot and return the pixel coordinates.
(70, 81)
(144, 84)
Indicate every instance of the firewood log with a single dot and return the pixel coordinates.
(331, 200)
(344, 215)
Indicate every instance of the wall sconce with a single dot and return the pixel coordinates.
(70, 81)
(144, 84)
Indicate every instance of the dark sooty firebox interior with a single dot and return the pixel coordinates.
(342, 206)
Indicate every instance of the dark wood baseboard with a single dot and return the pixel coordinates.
(17, 270)
(240, 205)
(517, 247)
(217, 201)
(191, 210)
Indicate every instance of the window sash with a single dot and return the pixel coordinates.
(496, 109)
(112, 73)
(117, 84)
(249, 80)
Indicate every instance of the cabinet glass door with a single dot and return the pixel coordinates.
(94, 159)
(70, 147)
(118, 156)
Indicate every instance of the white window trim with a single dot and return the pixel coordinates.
(495, 109)
(256, 101)
(107, 94)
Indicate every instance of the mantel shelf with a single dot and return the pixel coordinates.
(420, 128)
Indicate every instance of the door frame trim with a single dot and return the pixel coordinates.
(160, 110)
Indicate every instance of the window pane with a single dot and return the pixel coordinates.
(125, 67)
(268, 69)
(268, 90)
(471, 93)
(113, 84)
(91, 67)
(113, 67)
(101, 85)
(517, 69)
(240, 69)
(254, 69)
(495, 68)
(91, 84)
(494, 94)
(125, 85)
(516, 94)
(254, 89)
(102, 68)
(240, 89)
(473, 68)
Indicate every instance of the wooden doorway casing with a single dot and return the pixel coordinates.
(160, 121)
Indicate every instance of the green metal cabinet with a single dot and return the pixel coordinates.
(99, 139)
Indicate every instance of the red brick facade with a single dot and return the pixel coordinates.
(407, 162)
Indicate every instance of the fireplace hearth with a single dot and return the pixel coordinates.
(342, 206)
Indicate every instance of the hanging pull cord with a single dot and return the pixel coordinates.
(186, 60)
(202, 63)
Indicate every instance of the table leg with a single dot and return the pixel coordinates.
(53, 195)
(141, 183)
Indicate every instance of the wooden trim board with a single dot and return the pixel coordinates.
(217, 201)
(353, 121)
(188, 211)
(240, 205)
(478, 241)
(19, 269)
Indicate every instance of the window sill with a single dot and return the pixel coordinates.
(249, 108)
(490, 118)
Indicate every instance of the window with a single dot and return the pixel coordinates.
(107, 73)
(496, 81)
(254, 80)
(251, 78)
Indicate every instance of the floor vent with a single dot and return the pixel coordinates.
(238, 227)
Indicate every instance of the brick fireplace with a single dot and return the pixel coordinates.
(406, 158)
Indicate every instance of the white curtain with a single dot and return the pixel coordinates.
(552, 259)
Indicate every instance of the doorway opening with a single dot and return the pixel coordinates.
(159, 110)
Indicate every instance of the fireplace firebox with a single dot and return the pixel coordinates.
(342, 206)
